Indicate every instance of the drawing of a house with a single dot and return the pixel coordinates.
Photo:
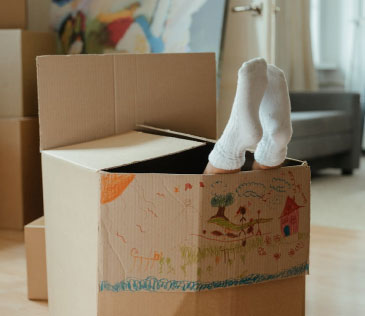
(289, 219)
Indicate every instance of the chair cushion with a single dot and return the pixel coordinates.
(307, 148)
(315, 123)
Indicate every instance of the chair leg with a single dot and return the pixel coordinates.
(347, 171)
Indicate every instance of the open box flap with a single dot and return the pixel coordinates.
(83, 98)
(168, 132)
(121, 150)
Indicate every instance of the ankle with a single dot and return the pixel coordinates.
(210, 169)
(258, 166)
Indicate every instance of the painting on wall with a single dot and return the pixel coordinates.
(130, 26)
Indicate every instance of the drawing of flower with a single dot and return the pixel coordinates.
(277, 238)
(277, 256)
(188, 186)
(261, 251)
(299, 245)
(268, 240)
(291, 252)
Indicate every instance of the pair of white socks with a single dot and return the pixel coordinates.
(260, 117)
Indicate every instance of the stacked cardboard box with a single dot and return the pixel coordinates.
(20, 167)
(25, 14)
(133, 226)
(35, 246)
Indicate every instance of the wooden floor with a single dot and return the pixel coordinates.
(336, 284)
(335, 287)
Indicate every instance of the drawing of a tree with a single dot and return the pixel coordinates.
(221, 201)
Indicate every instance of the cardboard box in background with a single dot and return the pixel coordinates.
(131, 221)
(18, 82)
(13, 14)
(20, 172)
(35, 247)
(33, 15)
(39, 15)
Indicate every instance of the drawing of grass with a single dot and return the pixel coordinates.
(225, 223)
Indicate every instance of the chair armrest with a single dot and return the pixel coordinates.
(342, 101)
(322, 101)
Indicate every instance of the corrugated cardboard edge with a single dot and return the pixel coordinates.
(154, 146)
(33, 44)
(169, 132)
(34, 236)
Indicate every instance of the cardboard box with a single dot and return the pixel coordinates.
(35, 247)
(20, 172)
(18, 81)
(132, 224)
(13, 14)
(39, 15)
(33, 15)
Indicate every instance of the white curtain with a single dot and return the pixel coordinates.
(293, 44)
(356, 74)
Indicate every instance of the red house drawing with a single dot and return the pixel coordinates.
(289, 219)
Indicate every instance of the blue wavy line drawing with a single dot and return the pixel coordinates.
(280, 185)
(251, 189)
(152, 284)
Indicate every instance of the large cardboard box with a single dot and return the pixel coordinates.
(13, 14)
(20, 172)
(18, 80)
(35, 246)
(132, 224)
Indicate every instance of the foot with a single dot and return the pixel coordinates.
(210, 169)
(257, 166)
(243, 129)
(275, 120)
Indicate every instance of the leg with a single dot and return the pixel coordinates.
(347, 171)
(243, 129)
(275, 120)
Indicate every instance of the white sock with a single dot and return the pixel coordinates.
(275, 120)
(243, 129)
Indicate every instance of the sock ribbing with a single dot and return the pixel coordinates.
(243, 129)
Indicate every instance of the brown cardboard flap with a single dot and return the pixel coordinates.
(13, 14)
(121, 150)
(86, 97)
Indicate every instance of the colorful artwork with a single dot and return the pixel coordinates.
(132, 26)
(171, 233)
(289, 219)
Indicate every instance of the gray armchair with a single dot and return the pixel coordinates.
(326, 129)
